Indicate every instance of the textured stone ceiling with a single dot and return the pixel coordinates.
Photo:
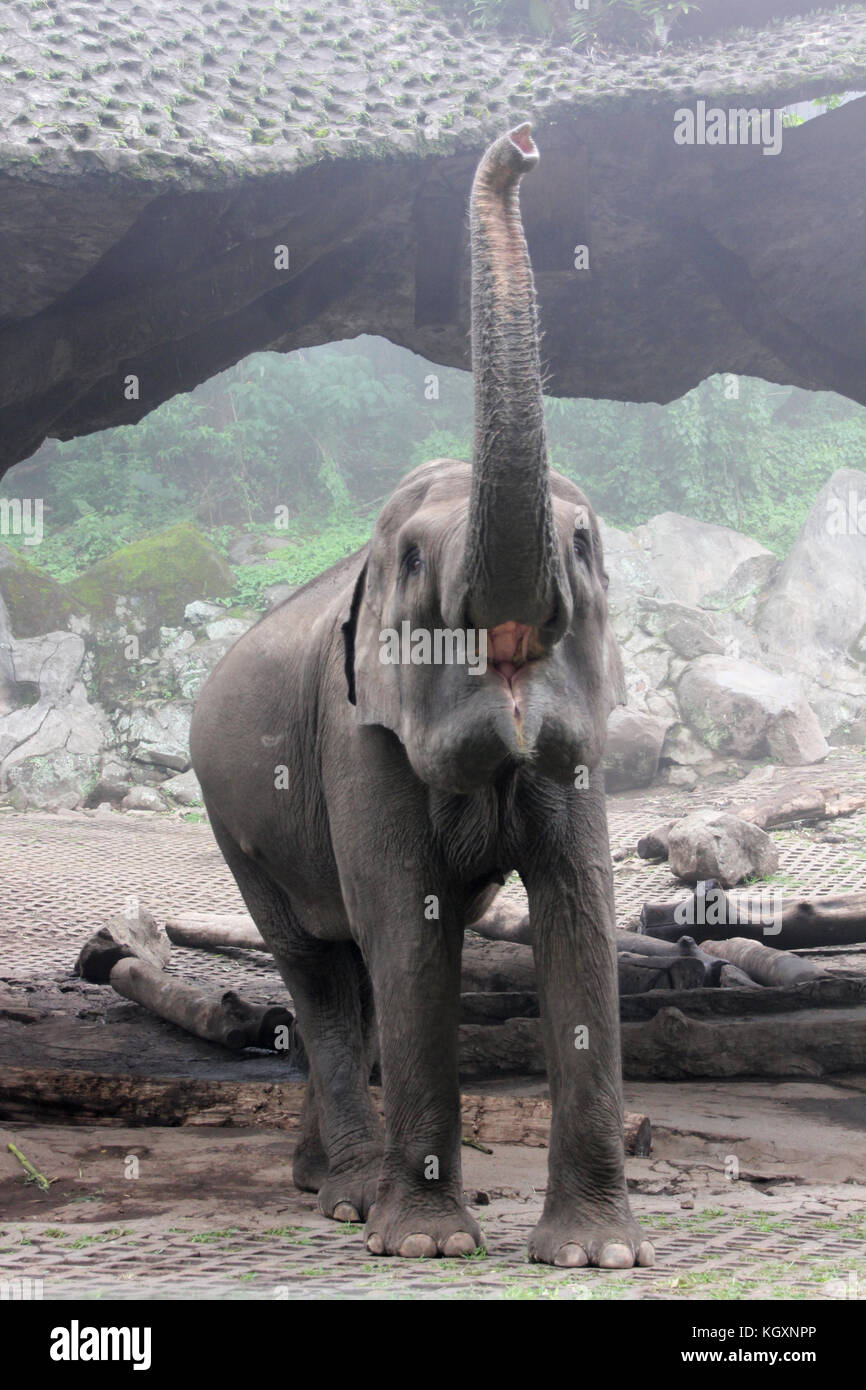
(152, 156)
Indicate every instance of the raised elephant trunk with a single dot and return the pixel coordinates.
(511, 560)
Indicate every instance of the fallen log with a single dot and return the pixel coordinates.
(495, 1006)
(504, 921)
(504, 966)
(221, 1018)
(672, 1045)
(750, 1000)
(732, 977)
(30, 1094)
(213, 931)
(811, 1043)
(764, 964)
(493, 966)
(800, 805)
(837, 920)
(639, 973)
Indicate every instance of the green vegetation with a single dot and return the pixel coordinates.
(304, 448)
(36, 602)
(619, 23)
(169, 569)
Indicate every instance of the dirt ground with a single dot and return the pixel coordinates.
(198, 1212)
(754, 1188)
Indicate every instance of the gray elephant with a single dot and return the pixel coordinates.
(379, 752)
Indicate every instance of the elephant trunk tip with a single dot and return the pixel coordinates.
(521, 136)
(507, 160)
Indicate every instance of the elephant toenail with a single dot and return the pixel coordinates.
(344, 1211)
(461, 1243)
(376, 1244)
(571, 1256)
(646, 1254)
(418, 1247)
(616, 1256)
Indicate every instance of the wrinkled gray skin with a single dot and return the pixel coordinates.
(407, 782)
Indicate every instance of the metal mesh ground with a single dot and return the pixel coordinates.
(713, 1254)
(62, 876)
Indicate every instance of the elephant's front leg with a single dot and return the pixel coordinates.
(586, 1219)
(414, 961)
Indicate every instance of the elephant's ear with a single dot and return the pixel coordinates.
(372, 687)
(349, 630)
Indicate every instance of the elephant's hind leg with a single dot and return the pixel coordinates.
(340, 1147)
(309, 1161)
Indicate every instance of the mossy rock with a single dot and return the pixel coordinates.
(36, 603)
(154, 579)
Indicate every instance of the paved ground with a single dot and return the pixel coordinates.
(204, 1212)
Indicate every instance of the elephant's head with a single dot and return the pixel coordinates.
(505, 556)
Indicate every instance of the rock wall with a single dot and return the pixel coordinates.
(729, 657)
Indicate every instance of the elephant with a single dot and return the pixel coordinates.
(371, 799)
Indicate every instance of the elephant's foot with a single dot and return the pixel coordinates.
(401, 1224)
(348, 1195)
(309, 1165)
(604, 1237)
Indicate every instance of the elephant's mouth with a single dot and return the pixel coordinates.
(511, 647)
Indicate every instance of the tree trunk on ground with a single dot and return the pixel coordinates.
(221, 1018)
(838, 920)
(81, 1097)
(763, 964)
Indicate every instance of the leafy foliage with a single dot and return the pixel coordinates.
(319, 438)
(618, 23)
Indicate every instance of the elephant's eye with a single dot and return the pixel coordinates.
(581, 546)
(412, 561)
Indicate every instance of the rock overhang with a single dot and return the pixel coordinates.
(149, 173)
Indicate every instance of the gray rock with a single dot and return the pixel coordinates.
(51, 753)
(227, 628)
(713, 844)
(693, 558)
(52, 662)
(134, 932)
(115, 780)
(811, 618)
(158, 733)
(200, 612)
(184, 789)
(736, 707)
(193, 667)
(634, 743)
(690, 639)
(143, 798)
(750, 576)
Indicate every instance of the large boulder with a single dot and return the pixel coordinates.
(634, 743)
(156, 733)
(50, 754)
(35, 603)
(149, 583)
(713, 844)
(692, 559)
(51, 737)
(737, 707)
(812, 619)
